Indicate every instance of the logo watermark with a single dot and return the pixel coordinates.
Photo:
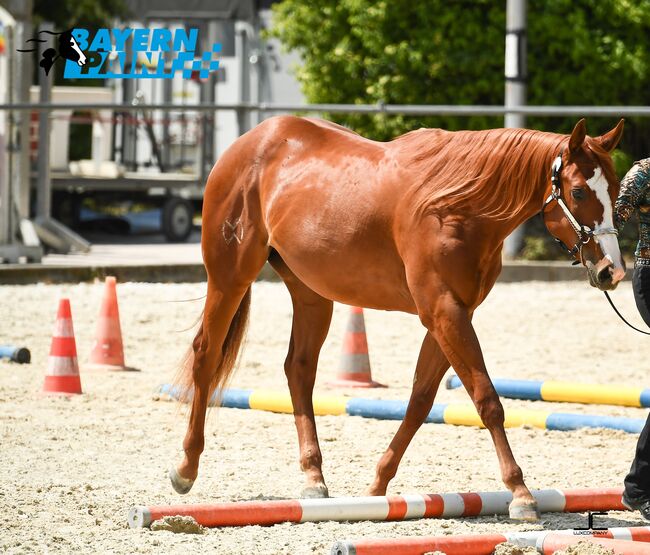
(590, 530)
(131, 53)
(67, 49)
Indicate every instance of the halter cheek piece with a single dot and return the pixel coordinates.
(584, 233)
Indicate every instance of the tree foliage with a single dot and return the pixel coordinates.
(89, 14)
(580, 52)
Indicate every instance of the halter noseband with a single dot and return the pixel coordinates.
(584, 233)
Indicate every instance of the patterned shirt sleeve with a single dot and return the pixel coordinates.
(633, 188)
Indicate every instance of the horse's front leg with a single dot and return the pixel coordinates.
(449, 320)
(430, 368)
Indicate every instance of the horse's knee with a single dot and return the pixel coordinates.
(300, 370)
(295, 365)
(419, 406)
(490, 410)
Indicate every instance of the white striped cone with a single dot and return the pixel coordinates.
(355, 361)
(62, 374)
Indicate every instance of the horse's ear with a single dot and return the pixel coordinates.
(610, 139)
(578, 136)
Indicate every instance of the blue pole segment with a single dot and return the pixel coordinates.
(232, 398)
(235, 398)
(20, 355)
(453, 382)
(564, 421)
(519, 389)
(515, 389)
(375, 408)
(645, 398)
(169, 389)
(437, 414)
(7, 351)
(390, 410)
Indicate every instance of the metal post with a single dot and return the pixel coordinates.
(129, 125)
(515, 67)
(6, 228)
(167, 88)
(515, 74)
(43, 183)
(22, 81)
(207, 92)
(243, 53)
(264, 91)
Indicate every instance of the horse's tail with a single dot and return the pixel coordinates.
(184, 381)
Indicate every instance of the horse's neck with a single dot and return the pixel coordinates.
(537, 178)
(499, 175)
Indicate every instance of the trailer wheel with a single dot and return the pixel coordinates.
(176, 219)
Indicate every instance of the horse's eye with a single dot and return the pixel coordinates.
(578, 194)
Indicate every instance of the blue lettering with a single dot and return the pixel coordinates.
(121, 36)
(101, 41)
(160, 40)
(140, 40)
(81, 36)
(91, 70)
(179, 63)
(182, 39)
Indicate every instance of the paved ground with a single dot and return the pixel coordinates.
(132, 250)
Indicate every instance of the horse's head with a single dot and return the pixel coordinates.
(69, 48)
(579, 210)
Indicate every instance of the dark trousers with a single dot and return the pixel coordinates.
(637, 482)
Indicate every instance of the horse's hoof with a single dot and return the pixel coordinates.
(524, 511)
(315, 492)
(181, 485)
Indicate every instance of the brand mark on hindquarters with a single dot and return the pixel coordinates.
(233, 231)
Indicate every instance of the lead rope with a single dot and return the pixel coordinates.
(621, 316)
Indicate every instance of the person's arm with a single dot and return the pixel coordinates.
(633, 187)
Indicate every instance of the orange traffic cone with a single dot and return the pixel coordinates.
(107, 351)
(355, 363)
(62, 374)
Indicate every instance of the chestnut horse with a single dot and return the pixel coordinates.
(416, 224)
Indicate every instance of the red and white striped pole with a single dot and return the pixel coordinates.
(556, 542)
(395, 507)
(484, 544)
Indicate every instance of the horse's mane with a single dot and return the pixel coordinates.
(497, 172)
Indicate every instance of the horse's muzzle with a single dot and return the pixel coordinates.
(604, 275)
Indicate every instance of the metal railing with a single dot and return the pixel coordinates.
(390, 109)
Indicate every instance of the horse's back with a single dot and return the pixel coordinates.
(324, 198)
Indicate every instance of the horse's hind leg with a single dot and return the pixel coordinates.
(231, 268)
(311, 320)
(220, 307)
(431, 366)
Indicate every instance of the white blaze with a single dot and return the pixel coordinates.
(82, 57)
(608, 242)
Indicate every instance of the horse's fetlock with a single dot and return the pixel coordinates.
(386, 470)
(513, 476)
(311, 458)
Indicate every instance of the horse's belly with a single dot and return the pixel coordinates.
(359, 269)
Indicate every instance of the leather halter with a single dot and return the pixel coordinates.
(584, 233)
